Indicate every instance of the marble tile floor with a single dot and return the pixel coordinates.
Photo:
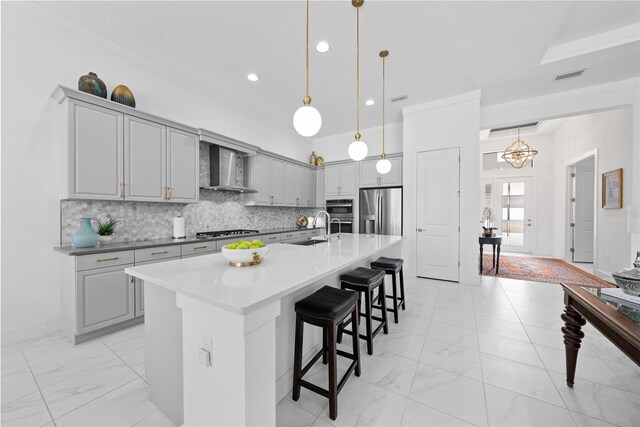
(483, 355)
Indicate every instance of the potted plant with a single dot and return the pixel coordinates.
(487, 220)
(106, 230)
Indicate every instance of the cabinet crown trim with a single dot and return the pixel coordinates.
(61, 93)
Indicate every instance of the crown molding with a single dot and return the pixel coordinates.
(439, 103)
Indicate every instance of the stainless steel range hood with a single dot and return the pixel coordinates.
(223, 167)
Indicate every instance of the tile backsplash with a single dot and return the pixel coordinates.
(141, 220)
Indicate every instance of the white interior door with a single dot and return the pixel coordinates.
(583, 209)
(438, 214)
(514, 216)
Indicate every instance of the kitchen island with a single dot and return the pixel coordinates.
(243, 318)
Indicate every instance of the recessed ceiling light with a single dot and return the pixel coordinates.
(253, 77)
(322, 47)
(369, 102)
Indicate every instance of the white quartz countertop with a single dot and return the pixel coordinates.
(284, 269)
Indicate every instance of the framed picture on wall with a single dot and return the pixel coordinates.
(612, 189)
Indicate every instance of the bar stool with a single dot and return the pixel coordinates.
(325, 308)
(392, 266)
(365, 281)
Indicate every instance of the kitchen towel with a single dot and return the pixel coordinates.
(179, 227)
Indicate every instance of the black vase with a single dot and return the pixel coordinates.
(92, 84)
(122, 95)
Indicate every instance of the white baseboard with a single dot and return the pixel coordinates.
(35, 330)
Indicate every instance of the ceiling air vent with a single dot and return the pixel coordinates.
(399, 98)
(570, 74)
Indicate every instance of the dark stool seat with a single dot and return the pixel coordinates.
(365, 281)
(384, 263)
(392, 266)
(363, 276)
(327, 308)
(327, 303)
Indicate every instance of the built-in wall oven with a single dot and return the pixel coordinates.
(343, 210)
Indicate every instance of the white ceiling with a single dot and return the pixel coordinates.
(437, 49)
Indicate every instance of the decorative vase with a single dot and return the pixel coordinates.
(92, 84)
(320, 161)
(122, 95)
(488, 233)
(313, 158)
(105, 239)
(85, 237)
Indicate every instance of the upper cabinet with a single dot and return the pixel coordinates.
(182, 166)
(340, 179)
(118, 153)
(277, 182)
(369, 176)
(95, 152)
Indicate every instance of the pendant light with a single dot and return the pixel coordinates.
(384, 165)
(357, 149)
(307, 120)
(519, 153)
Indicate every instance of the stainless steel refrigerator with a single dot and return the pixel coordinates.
(381, 211)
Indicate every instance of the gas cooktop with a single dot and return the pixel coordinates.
(224, 233)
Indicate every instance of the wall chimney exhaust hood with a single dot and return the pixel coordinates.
(223, 167)
(224, 155)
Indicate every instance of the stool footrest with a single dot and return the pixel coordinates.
(311, 362)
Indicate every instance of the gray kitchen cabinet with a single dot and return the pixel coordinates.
(311, 187)
(291, 179)
(95, 138)
(105, 297)
(182, 166)
(256, 176)
(145, 153)
(369, 176)
(340, 179)
(276, 181)
(302, 186)
(320, 194)
(118, 153)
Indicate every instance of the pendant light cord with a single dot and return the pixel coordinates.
(357, 74)
(383, 98)
(307, 59)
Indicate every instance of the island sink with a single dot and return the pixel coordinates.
(307, 242)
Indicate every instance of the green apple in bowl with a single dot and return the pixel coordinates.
(244, 253)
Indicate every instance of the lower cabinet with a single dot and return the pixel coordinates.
(105, 297)
(139, 298)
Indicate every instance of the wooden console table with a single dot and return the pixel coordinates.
(493, 241)
(582, 306)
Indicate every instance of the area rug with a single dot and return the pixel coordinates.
(547, 270)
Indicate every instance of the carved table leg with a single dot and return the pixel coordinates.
(573, 335)
(480, 258)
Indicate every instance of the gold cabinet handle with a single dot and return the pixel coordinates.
(133, 279)
(200, 247)
(121, 190)
(159, 253)
(170, 193)
(108, 259)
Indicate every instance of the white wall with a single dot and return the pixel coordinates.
(604, 97)
(446, 123)
(39, 52)
(609, 133)
(542, 180)
(335, 147)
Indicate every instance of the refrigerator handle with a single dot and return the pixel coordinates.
(379, 213)
(381, 219)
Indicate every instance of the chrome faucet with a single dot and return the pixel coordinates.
(339, 226)
(315, 219)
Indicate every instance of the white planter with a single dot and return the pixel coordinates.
(105, 240)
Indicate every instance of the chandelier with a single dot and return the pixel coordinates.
(519, 153)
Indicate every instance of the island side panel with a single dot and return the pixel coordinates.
(285, 323)
(163, 355)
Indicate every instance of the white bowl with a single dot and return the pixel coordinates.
(244, 257)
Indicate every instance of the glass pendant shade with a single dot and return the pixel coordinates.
(358, 150)
(383, 166)
(518, 154)
(307, 121)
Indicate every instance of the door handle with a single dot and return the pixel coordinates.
(420, 230)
